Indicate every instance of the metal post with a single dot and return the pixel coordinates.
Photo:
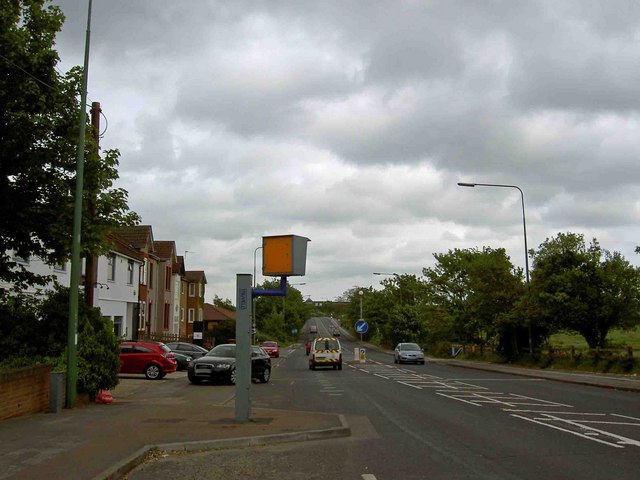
(74, 282)
(243, 347)
(524, 227)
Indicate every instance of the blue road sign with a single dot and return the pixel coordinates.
(361, 327)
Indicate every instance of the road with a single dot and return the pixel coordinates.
(430, 421)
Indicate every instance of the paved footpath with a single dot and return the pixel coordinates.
(105, 441)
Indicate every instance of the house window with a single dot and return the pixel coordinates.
(60, 268)
(130, 272)
(167, 313)
(143, 307)
(202, 290)
(192, 289)
(182, 314)
(167, 280)
(117, 326)
(192, 314)
(111, 268)
(200, 315)
(145, 269)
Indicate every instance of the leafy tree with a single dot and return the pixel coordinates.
(280, 315)
(584, 288)
(226, 303)
(39, 112)
(477, 290)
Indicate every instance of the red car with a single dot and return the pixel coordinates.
(271, 348)
(154, 359)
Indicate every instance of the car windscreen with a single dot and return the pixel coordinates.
(165, 348)
(222, 351)
(411, 347)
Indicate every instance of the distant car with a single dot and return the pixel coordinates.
(190, 349)
(313, 329)
(153, 359)
(325, 352)
(336, 332)
(219, 364)
(408, 353)
(308, 346)
(271, 348)
(182, 360)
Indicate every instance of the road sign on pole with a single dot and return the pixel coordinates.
(361, 327)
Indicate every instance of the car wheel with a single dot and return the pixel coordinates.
(311, 366)
(395, 360)
(153, 372)
(232, 376)
(422, 362)
(193, 379)
(340, 366)
(266, 375)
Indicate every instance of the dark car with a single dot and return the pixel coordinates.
(219, 364)
(190, 349)
(182, 360)
(154, 359)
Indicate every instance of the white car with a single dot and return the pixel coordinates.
(408, 353)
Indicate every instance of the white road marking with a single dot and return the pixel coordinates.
(368, 476)
(582, 425)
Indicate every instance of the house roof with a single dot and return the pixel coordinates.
(123, 247)
(211, 313)
(195, 276)
(138, 236)
(165, 249)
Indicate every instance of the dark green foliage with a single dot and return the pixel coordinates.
(277, 317)
(39, 114)
(584, 288)
(223, 333)
(35, 331)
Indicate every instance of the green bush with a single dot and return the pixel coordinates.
(34, 331)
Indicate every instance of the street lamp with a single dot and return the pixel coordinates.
(361, 293)
(524, 227)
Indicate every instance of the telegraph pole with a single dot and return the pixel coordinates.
(72, 326)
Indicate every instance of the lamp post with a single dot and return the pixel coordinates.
(524, 227)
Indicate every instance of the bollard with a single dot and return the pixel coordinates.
(56, 391)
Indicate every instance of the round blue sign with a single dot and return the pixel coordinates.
(361, 327)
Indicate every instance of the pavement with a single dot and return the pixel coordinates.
(104, 442)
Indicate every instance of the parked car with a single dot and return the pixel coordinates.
(325, 352)
(182, 360)
(408, 352)
(154, 359)
(271, 348)
(190, 349)
(219, 364)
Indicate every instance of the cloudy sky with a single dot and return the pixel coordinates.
(351, 122)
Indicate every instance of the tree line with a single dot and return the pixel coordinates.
(477, 296)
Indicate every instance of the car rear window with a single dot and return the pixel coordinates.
(327, 344)
(164, 348)
(269, 344)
